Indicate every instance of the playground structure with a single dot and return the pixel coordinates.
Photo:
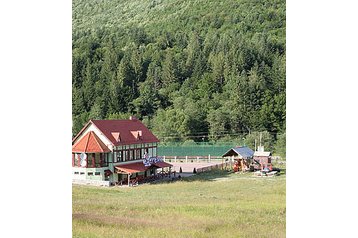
(241, 165)
(246, 159)
(241, 156)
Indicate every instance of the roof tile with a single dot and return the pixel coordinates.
(125, 129)
(90, 143)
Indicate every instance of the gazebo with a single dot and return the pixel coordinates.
(242, 156)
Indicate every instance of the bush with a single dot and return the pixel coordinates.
(280, 146)
(189, 143)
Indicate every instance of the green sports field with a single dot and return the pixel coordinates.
(212, 204)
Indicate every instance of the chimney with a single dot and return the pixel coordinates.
(132, 118)
(260, 148)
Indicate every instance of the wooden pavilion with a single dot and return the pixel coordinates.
(242, 155)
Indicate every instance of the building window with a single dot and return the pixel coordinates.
(124, 154)
(82, 173)
(90, 162)
(90, 173)
(97, 173)
(76, 160)
(76, 172)
(130, 155)
(105, 160)
(138, 154)
(119, 156)
(97, 161)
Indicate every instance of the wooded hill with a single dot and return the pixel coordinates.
(200, 69)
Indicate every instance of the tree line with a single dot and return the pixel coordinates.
(188, 69)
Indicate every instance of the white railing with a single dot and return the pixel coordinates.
(91, 182)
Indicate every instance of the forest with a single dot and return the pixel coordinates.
(191, 70)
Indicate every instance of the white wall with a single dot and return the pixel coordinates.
(86, 176)
(79, 176)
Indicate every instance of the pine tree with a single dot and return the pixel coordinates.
(88, 87)
(169, 74)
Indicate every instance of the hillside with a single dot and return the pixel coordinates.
(200, 70)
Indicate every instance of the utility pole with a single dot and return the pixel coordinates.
(260, 138)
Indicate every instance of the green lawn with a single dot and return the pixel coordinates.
(215, 204)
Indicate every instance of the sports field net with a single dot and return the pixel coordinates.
(197, 149)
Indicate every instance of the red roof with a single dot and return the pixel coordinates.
(121, 132)
(133, 167)
(162, 164)
(140, 167)
(90, 143)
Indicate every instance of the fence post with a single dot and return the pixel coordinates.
(164, 158)
(197, 159)
(186, 159)
(175, 159)
(209, 158)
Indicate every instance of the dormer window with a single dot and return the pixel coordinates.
(116, 136)
(137, 134)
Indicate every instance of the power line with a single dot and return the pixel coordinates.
(203, 136)
(208, 134)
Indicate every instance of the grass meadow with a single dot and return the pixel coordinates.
(211, 204)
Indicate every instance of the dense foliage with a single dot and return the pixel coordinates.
(199, 69)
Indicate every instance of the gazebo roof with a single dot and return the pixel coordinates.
(90, 143)
(242, 151)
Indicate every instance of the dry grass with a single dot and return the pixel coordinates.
(216, 204)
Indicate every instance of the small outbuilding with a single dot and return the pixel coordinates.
(242, 155)
(262, 158)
